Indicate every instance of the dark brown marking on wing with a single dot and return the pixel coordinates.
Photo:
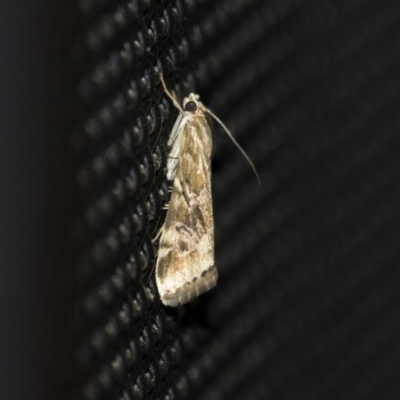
(198, 216)
(183, 246)
(183, 228)
(207, 271)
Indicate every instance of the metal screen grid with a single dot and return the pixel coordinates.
(307, 302)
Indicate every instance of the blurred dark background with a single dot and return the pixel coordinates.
(308, 301)
(37, 179)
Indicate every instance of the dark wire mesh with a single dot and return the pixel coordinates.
(308, 300)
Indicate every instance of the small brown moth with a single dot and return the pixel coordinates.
(185, 265)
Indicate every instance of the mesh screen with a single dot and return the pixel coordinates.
(308, 299)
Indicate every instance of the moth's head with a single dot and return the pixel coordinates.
(192, 103)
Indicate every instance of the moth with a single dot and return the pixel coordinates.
(185, 266)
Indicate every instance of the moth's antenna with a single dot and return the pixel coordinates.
(169, 94)
(236, 143)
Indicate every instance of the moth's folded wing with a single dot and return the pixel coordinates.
(185, 265)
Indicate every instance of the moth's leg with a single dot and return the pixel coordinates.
(154, 239)
(146, 289)
(169, 94)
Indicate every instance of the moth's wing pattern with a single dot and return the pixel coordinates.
(185, 266)
(174, 144)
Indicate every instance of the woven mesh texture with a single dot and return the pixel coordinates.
(308, 299)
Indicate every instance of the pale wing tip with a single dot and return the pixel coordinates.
(191, 289)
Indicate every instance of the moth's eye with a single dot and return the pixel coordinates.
(191, 106)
